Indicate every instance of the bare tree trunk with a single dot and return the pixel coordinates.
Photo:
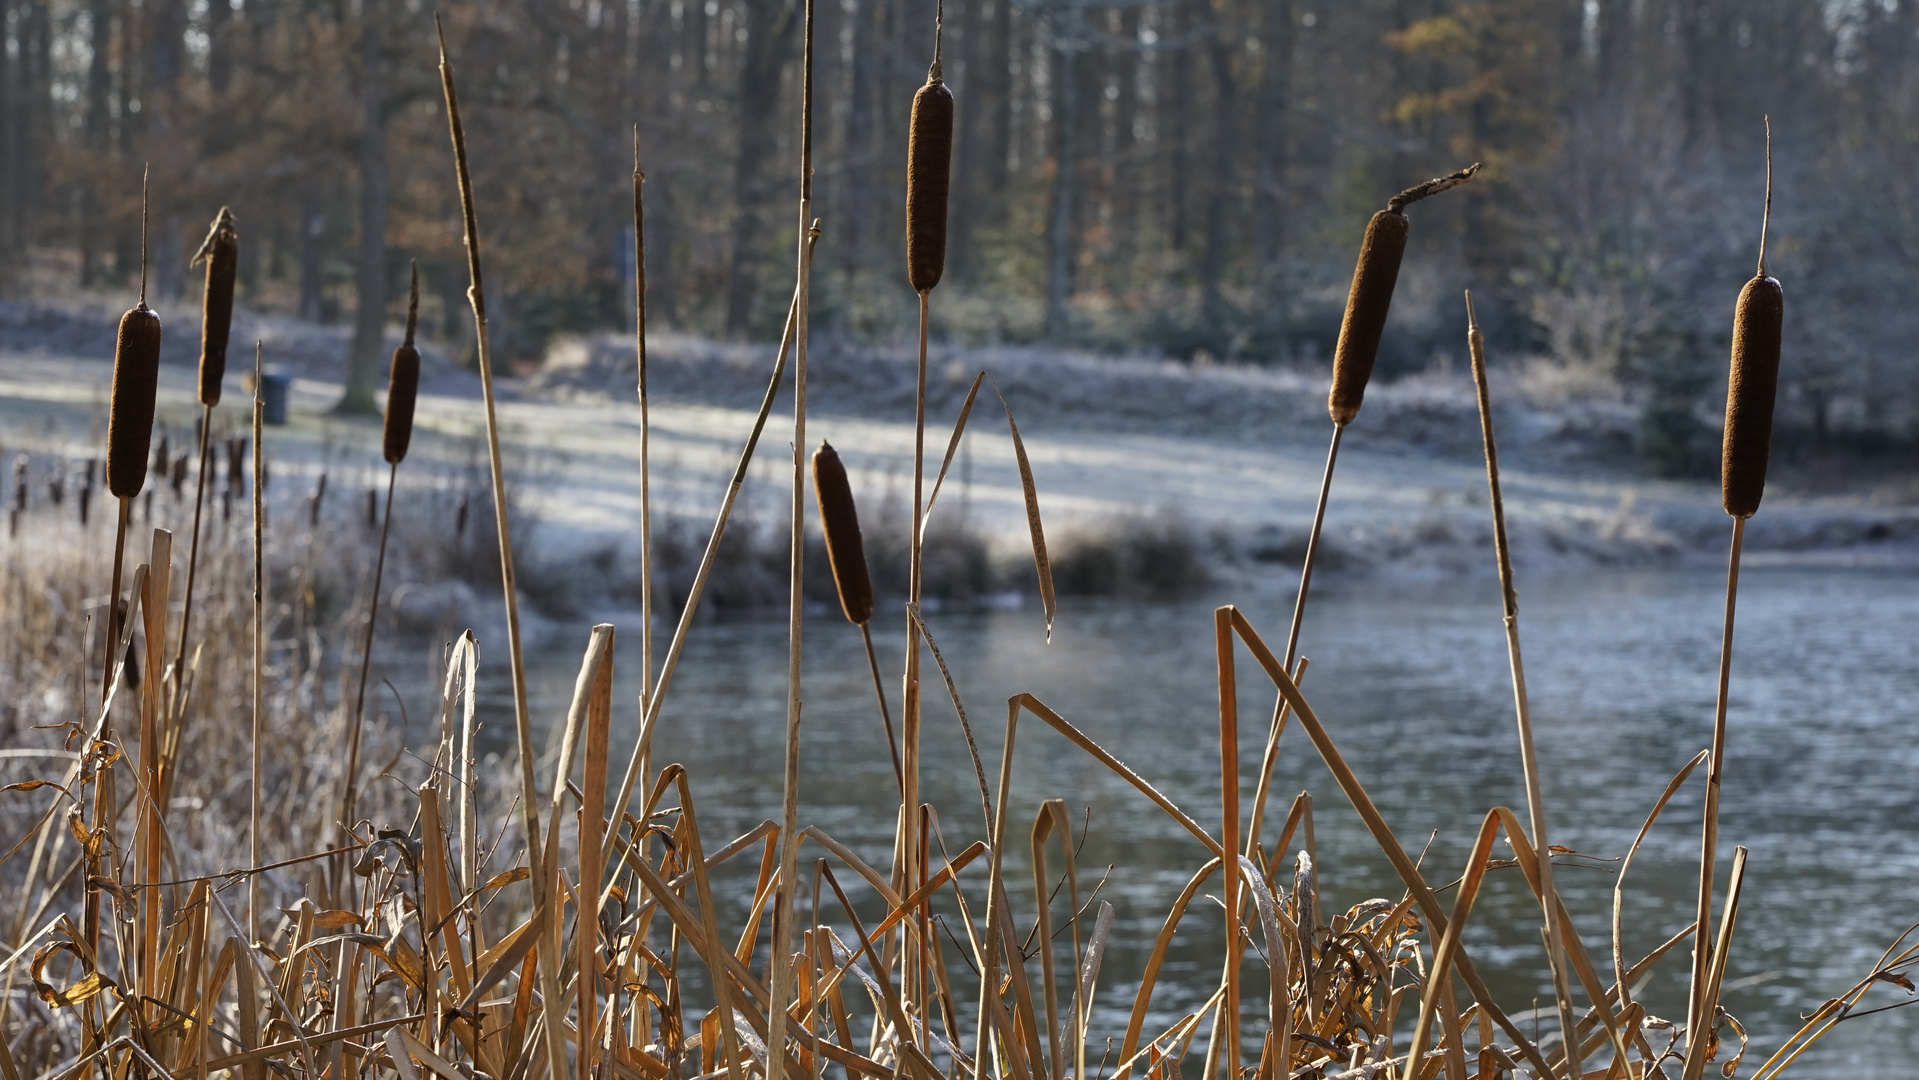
(1068, 37)
(1175, 103)
(861, 152)
(219, 46)
(10, 153)
(312, 230)
(369, 321)
(1275, 98)
(966, 196)
(1219, 195)
(769, 29)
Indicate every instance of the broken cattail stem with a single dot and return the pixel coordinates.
(1372, 295)
(1751, 385)
(220, 251)
(1528, 758)
(846, 552)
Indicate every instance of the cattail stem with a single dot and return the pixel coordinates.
(905, 842)
(1312, 546)
(476, 297)
(356, 726)
(1698, 1007)
(193, 564)
(113, 597)
(1271, 758)
(644, 741)
(781, 984)
(1528, 759)
(879, 691)
(259, 639)
(646, 429)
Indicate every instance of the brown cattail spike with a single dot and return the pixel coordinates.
(840, 520)
(1372, 295)
(403, 385)
(136, 377)
(1752, 384)
(221, 252)
(929, 164)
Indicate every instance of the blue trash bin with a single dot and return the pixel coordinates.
(273, 394)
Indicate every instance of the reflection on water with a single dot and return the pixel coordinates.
(1411, 680)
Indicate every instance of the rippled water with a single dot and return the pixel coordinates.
(1411, 679)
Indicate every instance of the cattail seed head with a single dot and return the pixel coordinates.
(1366, 306)
(1751, 388)
(136, 377)
(840, 520)
(221, 252)
(929, 165)
(403, 384)
(402, 388)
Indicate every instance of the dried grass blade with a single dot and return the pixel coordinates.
(952, 690)
(1129, 1046)
(952, 448)
(1376, 824)
(1041, 563)
(1059, 723)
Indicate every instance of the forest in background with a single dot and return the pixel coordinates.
(1182, 176)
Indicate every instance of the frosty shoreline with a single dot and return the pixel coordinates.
(1231, 453)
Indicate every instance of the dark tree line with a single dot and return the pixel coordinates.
(1184, 175)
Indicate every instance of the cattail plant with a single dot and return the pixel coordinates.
(1752, 382)
(220, 251)
(402, 391)
(136, 379)
(549, 959)
(1374, 277)
(316, 502)
(846, 552)
(19, 506)
(929, 160)
(87, 481)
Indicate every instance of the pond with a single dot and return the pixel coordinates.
(1410, 678)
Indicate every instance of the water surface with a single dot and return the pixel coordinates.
(1411, 679)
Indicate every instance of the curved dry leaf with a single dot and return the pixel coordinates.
(1041, 563)
(952, 447)
(334, 920)
(506, 877)
(90, 985)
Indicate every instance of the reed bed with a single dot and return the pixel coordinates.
(199, 881)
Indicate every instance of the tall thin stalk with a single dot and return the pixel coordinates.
(646, 428)
(1528, 759)
(476, 297)
(782, 980)
(259, 641)
(522, 723)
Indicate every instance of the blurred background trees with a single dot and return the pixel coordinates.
(1189, 176)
